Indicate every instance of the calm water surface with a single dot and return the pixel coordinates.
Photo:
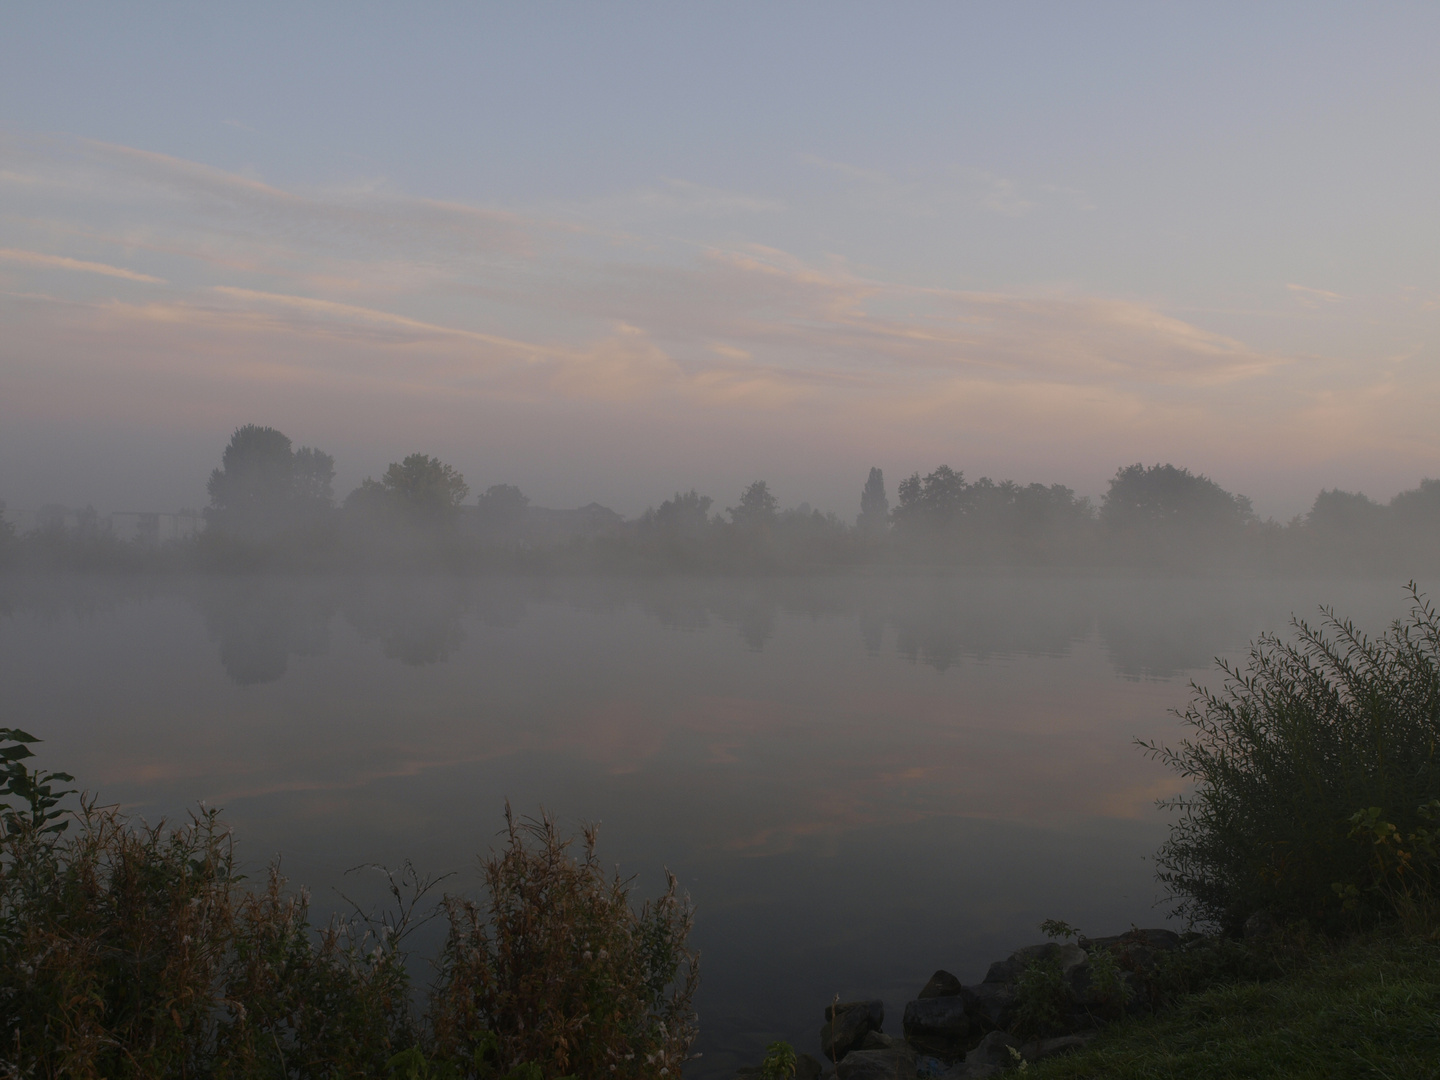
(858, 781)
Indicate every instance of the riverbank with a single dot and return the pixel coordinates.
(1285, 1006)
(1369, 1007)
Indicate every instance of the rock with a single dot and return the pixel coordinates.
(941, 984)
(994, 1049)
(1159, 940)
(892, 1064)
(846, 1025)
(1048, 1048)
(938, 1026)
(1009, 969)
(990, 1004)
(876, 1040)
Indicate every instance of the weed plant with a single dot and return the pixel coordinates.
(139, 952)
(559, 968)
(1297, 741)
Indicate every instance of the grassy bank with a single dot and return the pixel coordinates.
(1369, 1007)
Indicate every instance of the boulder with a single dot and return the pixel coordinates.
(990, 1004)
(1138, 950)
(994, 1049)
(846, 1025)
(1008, 970)
(877, 1040)
(941, 984)
(938, 1026)
(895, 1063)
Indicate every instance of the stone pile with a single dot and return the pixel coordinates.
(957, 1032)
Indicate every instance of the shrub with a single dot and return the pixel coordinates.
(1281, 759)
(132, 951)
(559, 972)
(1043, 1001)
(780, 1062)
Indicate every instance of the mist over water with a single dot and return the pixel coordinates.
(858, 779)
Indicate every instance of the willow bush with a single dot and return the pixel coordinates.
(1295, 762)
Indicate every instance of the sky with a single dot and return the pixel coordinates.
(611, 251)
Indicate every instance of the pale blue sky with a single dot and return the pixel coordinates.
(790, 240)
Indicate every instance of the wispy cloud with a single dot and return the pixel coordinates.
(380, 295)
(61, 262)
(1314, 298)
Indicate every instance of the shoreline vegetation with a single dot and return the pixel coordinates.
(1308, 850)
(274, 508)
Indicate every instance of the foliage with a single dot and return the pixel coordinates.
(874, 505)
(1364, 1009)
(686, 516)
(138, 952)
(1164, 496)
(1043, 1001)
(1058, 928)
(932, 503)
(757, 506)
(780, 1061)
(1110, 990)
(1283, 755)
(501, 507)
(425, 488)
(313, 478)
(561, 970)
(1404, 866)
(35, 787)
(134, 952)
(263, 487)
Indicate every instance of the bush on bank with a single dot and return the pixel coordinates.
(140, 952)
(1315, 779)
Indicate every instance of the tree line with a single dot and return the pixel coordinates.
(271, 504)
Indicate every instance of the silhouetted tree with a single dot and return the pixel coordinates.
(314, 478)
(425, 489)
(686, 515)
(1344, 513)
(7, 534)
(757, 506)
(263, 487)
(250, 494)
(1419, 508)
(501, 507)
(931, 504)
(874, 505)
(1165, 497)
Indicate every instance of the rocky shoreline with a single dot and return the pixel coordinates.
(1040, 1001)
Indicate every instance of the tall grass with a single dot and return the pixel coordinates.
(557, 967)
(129, 951)
(1301, 746)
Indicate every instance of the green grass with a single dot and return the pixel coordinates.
(1367, 1008)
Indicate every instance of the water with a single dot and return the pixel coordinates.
(858, 780)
